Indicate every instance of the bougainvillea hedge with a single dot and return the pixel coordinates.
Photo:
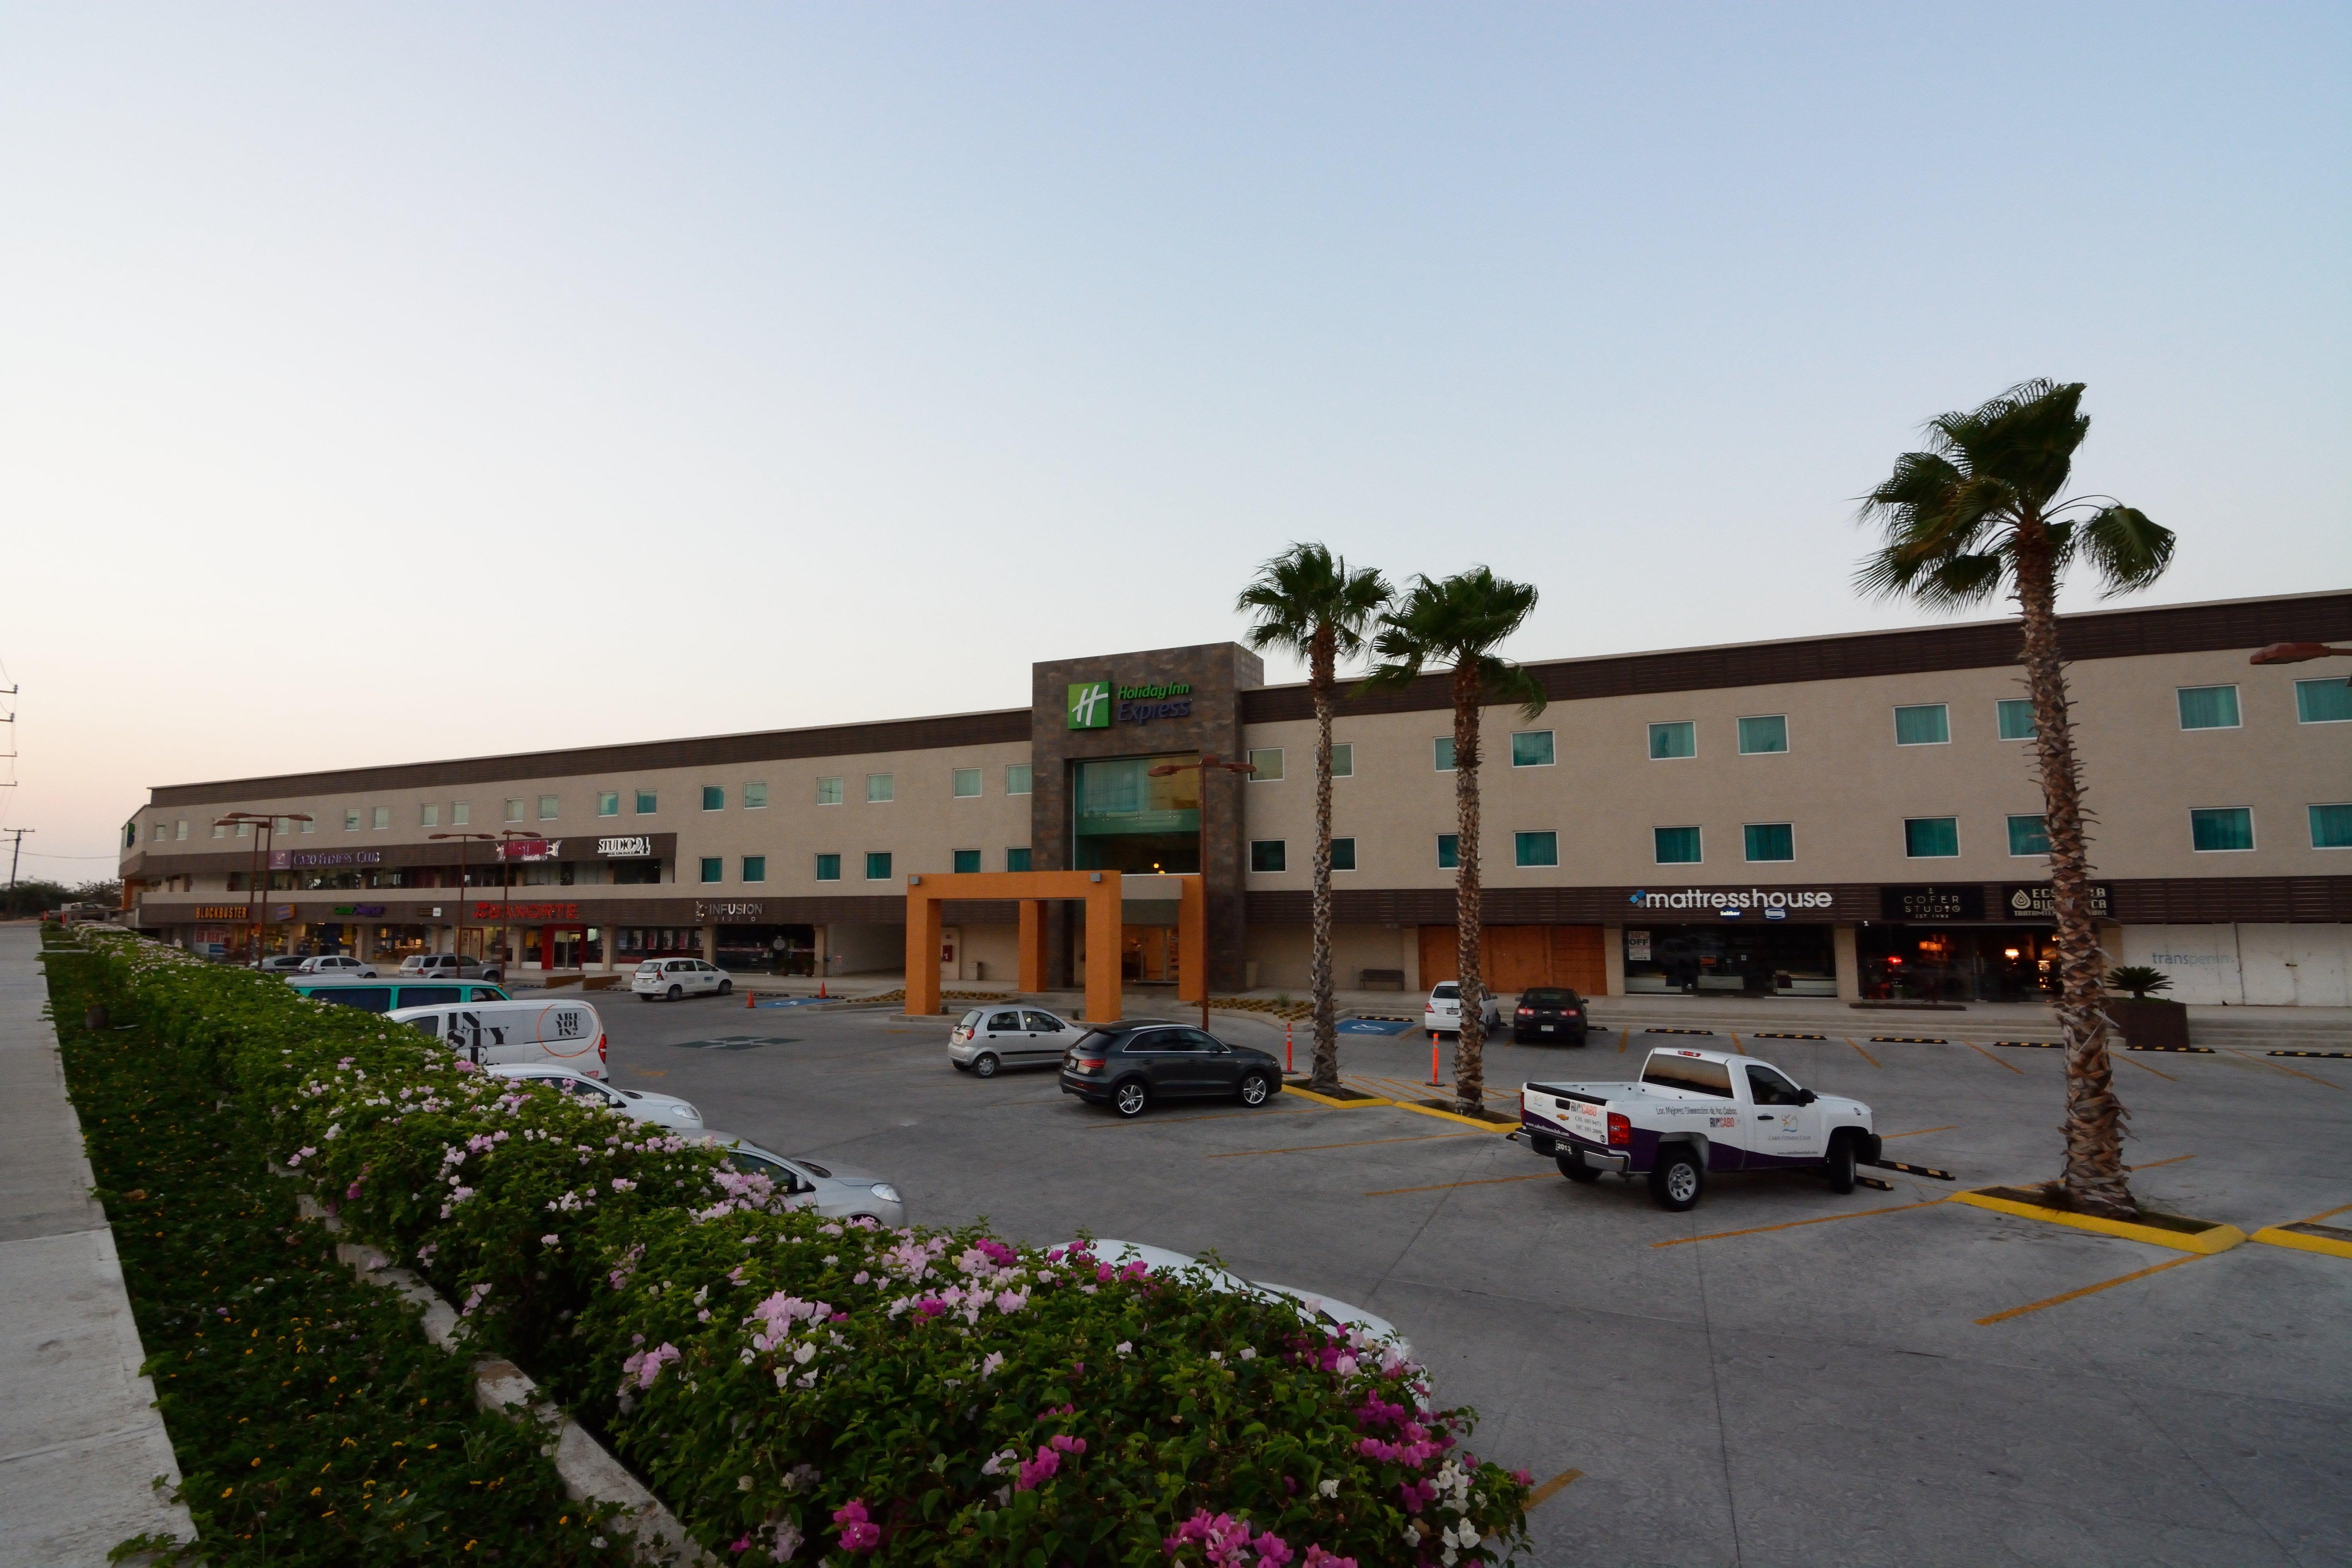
(798, 1389)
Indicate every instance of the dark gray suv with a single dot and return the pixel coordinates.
(1128, 1066)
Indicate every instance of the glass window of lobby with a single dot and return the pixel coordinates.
(2323, 701)
(1667, 741)
(2209, 706)
(1924, 724)
(1931, 837)
(1676, 846)
(2215, 829)
(1770, 841)
(1531, 748)
(2014, 716)
(1765, 733)
(1128, 820)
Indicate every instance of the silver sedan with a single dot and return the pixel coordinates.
(666, 1109)
(836, 1192)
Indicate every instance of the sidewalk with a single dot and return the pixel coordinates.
(79, 1439)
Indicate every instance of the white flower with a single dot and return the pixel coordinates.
(1125, 1346)
(1330, 1487)
(1249, 1354)
(743, 1483)
(1217, 1355)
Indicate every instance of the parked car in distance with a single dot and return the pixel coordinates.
(989, 1038)
(1441, 1014)
(836, 1192)
(282, 963)
(336, 964)
(672, 978)
(451, 967)
(502, 1034)
(668, 1110)
(391, 996)
(1326, 1312)
(1126, 1065)
(1550, 1013)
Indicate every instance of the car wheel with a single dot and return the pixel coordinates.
(1129, 1097)
(675, 992)
(1253, 1089)
(725, 986)
(1576, 1170)
(1678, 1181)
(644, 995)
(984, 1064)
(1841, 1163)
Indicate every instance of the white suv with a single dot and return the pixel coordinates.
(1441, 1014)
(336, 964)
(675, 977)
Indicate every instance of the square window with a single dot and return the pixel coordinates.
(828, 792)
(1928, 724)
(967, 784)
(1267, 761)
(1016, 778)
(2015, 718)
(220, 829)
(1531, 748)
(180, 829)
(967, 861)
(310, 823)
(1676, 846)
(608, 803)
(1668, 741)
(2223, 828)
(1449, 851)
(379, 817)
(2028, 835)
(428, 815)
(1770, 841)
(2209, 706)
(714, 869)
(1017, 859)
(755, 867)
(161, 831)
(878, 866)
(461, 814)
(1268, 855)
(245, 829)
(1343, 759)
(2323, 701)
(1343, 854)
(880, 788)
(1444, 749)
(1535, 849)
(828, 867)
(350, 821)
(1766, 732)
(514, 811)
(2331, 826)
(648, 801)
(547, 807)
(755, 797)
(714, 797)
(1931, 837)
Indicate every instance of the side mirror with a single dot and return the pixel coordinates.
(1806, 1096)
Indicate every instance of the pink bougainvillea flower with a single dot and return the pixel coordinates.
(858, 1533)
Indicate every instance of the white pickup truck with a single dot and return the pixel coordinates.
(1695, 1112)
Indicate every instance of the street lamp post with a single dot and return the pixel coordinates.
(2298, 653)
(464, 870)
(1207, 764)
(264, 828)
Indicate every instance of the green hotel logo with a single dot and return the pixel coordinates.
(1090, 705)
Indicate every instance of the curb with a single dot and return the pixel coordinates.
(1334, 1103)
(2332, 1241)
(2213, 1238)
(1496, 1128)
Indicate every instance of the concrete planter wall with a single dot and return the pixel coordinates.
(2150, 1022)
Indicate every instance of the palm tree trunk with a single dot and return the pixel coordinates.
(2093, 1179)
(1325, 1078)
(1470, 1045)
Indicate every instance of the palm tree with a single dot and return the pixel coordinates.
(1308, 602)
(1455, 624)
(1975, 512)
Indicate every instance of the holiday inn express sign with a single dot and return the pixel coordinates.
(1092, 705)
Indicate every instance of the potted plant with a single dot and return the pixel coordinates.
(2147, 1020)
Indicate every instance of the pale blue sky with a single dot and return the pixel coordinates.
(381, 383)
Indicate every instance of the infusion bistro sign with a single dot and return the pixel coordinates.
(630, 849)
(2035, 902)
(727, 911)
(1963, 901)
(526, 911)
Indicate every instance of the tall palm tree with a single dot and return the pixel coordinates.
(1308, 601)
(1976, 511)
(1456, 624)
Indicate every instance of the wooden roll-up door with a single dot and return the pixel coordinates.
(1514, 958)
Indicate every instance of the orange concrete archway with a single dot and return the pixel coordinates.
(1099, 890)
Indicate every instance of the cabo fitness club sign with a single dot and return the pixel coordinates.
(1093, 706)
(1732, 904)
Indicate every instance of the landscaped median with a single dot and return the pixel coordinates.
(795, 1388)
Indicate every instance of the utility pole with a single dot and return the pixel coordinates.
(13, 855)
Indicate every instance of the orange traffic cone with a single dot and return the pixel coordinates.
(820, 991)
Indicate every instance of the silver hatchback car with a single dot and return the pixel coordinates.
(987, 1038)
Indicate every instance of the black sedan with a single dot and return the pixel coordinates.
(1129, 1066)
(1550, 1014)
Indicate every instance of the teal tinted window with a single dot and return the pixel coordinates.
(1343, 759)
(755, 867)
(1535, 849)
(2331, 826)
(1016, 860)
(647, 801)
(966, 782)
(2226, 827)
(967, 861)
(1269, 855)
(828, 792)
(1931, 837)
(1769, 732)
(877, 866)
(713, 799)
(2323, 701)
(1016, 778)
(608, 803)
(2016, 719)
(1676, 846)
(1770, 841)
(1449, 851)
(828, 867)
(714, 869)
(1673, 741)
(1443, 748)
(2028, 835)
(1343, 852)
(755, 797)
(1531, 750)
(1930, 724)
(2209, 706)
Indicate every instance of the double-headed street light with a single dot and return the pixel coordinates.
(2298, 653)
(458, 944)
(263, 827)
(1207, 764)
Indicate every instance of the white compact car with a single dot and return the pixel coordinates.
(989, 1038)
(1331, 1314)
(836, 1192)
(1441, 1014)
(337, 963)
(672, 978)
(667, 1109)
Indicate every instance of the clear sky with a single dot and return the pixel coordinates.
(381, 383)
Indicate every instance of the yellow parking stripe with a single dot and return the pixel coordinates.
(1487, 1182)
(1359, 1143)
(2145, 1068)
(2086, 1290)
(1865, 1055)
(2297, 1071)
(2152, 1164)
(1793, 1224)
(1992, 1058)
(1544, 1491)
(1921, 1132)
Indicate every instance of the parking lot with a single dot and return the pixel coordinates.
(1782, 1375)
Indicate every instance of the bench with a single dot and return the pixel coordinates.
(1380, 979)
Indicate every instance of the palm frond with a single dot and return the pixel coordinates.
(2125, 548)
(1451, 624)
(1505, 682)
(1307, 589)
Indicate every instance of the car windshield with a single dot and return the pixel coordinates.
(1672, 1070)
(968, 1020)
(651, 966)
(1446, 993)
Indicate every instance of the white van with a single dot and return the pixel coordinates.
(495, 1033)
